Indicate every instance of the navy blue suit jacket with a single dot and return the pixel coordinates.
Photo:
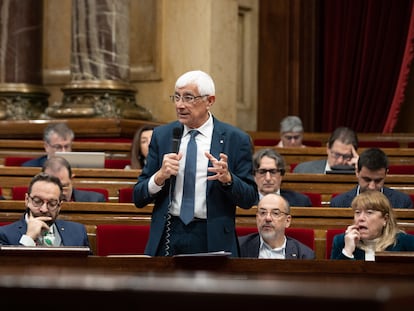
(38, 162)
(72, 233)
(405, 242)
(250, 243)
(221, 201)
(295, 198)
(87, 196)
(398, 199)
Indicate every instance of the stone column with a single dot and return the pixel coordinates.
(21, 93)
(99, 64)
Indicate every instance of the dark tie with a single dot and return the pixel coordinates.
(187, 205)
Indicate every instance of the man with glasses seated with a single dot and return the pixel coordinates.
(39, 224)
(291, 132)
(341, 152)
(272, 218)
(372, 169)
(269, 169)
(56, 137)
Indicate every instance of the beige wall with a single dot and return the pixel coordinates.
(209, 35)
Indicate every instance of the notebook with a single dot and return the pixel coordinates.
(84, 159)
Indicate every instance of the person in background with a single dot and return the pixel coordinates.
(223, 181)
(39, 224)
(59, 167)
(341, 149)
(269, 169)
(375, 229)
(291, 132)
(139, 147)
(272, 218)
(372, 169)
(56, 137)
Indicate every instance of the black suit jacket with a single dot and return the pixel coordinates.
(250, 243)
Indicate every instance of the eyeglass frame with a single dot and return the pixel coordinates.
(274, 213)
(272, 171)
(50, 208)
(338, 155)
(185, 98)
(58, 147)
(292, 137)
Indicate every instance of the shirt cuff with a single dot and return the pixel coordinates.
(27, 241)
(345, 254)
(153, 188)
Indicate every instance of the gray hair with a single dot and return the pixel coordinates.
(291, 124)
(202, 80)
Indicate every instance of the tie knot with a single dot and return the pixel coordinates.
(194, 133)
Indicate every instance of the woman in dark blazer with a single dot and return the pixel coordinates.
(375, 229)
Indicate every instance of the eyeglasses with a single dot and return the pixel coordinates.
(51, 204)
(275, 213)
(185, 98)
(272, 171)
(291, 137)
(337, 155)
(61, 147)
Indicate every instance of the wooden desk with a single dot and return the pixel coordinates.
(92, 214)
(162, 282)
(111, 179)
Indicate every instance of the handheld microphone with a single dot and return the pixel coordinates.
(177, 132)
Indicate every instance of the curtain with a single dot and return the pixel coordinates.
(363, 50)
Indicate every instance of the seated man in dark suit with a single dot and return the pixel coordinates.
(56, 137)
(372, 168)
(60, 167)
(39, 224)
(269, 168)
(272, 218)
(341, 150)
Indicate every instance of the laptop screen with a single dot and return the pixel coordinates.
(84, 159)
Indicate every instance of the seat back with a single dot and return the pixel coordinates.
(117, 163)
(315, 198)
(121, 239)
(378, 144)
(16, 161)
(304, 235)
(401, 169)
(330, 234)
(18, 192)
(125, 195)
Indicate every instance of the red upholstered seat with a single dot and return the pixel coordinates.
(304, 235)
(121, 239)
(401, 169)
(330, 233)
(15, 161)
(18, 192)
(117, 163)
(265, 142)
(316, 198)
(125, 195)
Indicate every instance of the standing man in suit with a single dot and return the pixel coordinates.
(371, 172)
(39, 224)
(56, 137)
(60, 167)
(341, 149)
(269, 169)
(272, 218)
(223, 182)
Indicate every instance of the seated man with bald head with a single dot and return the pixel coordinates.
(272, 218)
